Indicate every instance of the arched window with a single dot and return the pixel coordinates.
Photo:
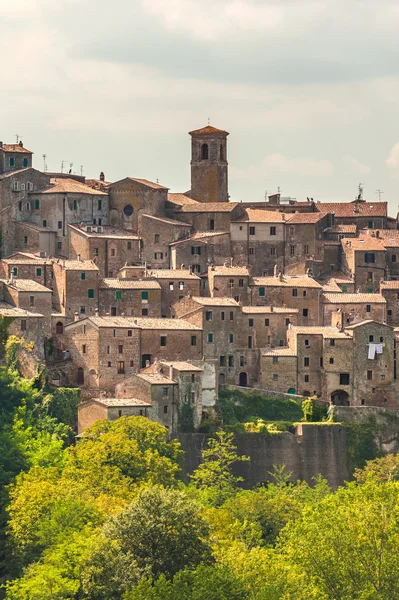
(204, 152)
(80, 379)
(221, 152)
(222, 379)
(59, 328)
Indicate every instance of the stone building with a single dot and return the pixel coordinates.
(129, 297)
(131, 197)
(75, 288)
(157, 234)
(263, 326)
(211, 216)
(201, 250)
(27, 324)
(29, 237)
(109, 247)
(356, 307)
(231, 282)
(304, 239)
(175, 284)
(30, 296)
(369, 215)
(14, 157)
(390, 291)
(23, 265)
(209, 179)
(97, 409)
(295, 291)
(364, 260)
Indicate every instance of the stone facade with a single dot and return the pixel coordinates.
(209, 181)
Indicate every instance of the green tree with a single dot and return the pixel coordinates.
(214, 476)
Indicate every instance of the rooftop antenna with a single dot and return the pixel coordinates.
(44, 163)
(17, 136)
(62, 165)
(379, 192)
(361, 190)
(278, 190)
(81, 170)
(209, 120)
(265, 198)
(70, 167)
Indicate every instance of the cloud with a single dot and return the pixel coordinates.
(354, 166)
(279, 164)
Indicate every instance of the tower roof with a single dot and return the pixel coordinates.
(209, 130)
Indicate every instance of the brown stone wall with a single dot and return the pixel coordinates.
(341, 353)
(214, 250)
(354, 311)
(392, 306)
(178, 344)
(266, 329)
(131, 303)
(171, 296)
(307, 298)
(142, 198)
(229, 286)
(157, 235)
(311, 347)
(27, 271)
(285, 369)
(90, 412)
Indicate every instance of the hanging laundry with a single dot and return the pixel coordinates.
(379, 348)
(372, 351)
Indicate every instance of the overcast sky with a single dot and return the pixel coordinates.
(307, 89)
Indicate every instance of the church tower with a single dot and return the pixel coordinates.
(209, 181)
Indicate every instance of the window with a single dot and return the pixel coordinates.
(120, 349)
(242, 361)
(59, 224)
(250, 322)
(369, 375)
(267, 322)
(25, 239)
(193, 340)
(306, 361)
(275, 377)
(231, 361)
(231, 316)
(108, 363)
(368, 307)
(38, 272)
(344, 289)
(208, 315)
(306, 378)
(121, 367)
(15, 271)
(82, 310)
(292, 230)
(287, 322)
(204, 152)
(90, 293)
(210, 338)
(15, 186)
(196, 250)
(158, 255)
(113, 311)
(31, 301)
(275, 360)
(294, 293)
(261, 292)
(23, 324)
(211, 225)
(75, 205)
(144, 296)
(250, 341)
(332, 342)
(305, 312)
(222, 361)
(129, 245)
(382, 377)
(273, 251)
(281, 343)
(25, 163)
(252, 231)
(156, 238)
(12, 161)
(222, 315)
(131, 363)
(100, 205)
(331, 360)
(144, 312)
(20, 207)
(108, 349)
(84, 349)
(252, 251)
(370, 224)
(128, 210)
(181, 285)
(165, 409)
(321, 361)
(371, 338)
(231, 338)
(113, 252)
(393, 257)
(95, 251)
(118, 295)
(344, 379)
(163, 340)
(306, 249)
(240, 283)
(83, 276)
(292, 250)
(272, 231)
(389, 313)
(307, 343)
(37, 204)
(28, 206)
(369, 257)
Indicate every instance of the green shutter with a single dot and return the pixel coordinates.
(100, 205)
(144, 295)
(118, 295)
(25, 162)
(15, 271)
(38, 272)
(90, 293)
(261, 291)
(210, 338)
(12, 161)
(83, 276)
(75, 205)
(37, 204)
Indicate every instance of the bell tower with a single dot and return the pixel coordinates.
(209, 179)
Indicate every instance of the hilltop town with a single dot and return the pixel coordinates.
(149, 300)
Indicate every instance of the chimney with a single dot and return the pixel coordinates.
(337, 319)
(147, 363)
(79, 257)
(171, 373)
(96, 312)
(76, 316)
(21, 144)
(377, 234)
(102, 176)
(271, 308)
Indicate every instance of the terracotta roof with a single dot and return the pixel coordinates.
(116, 322)
(7, 310)
(326, 332)
(181, 365)
(181, 199)
(342, 228)
(147, 183)
(120, 402)
(199, 236)
(286, 281)
(208, 130)
(69, 186)
(303, 218)
(167, 221)
(33, 226)
(27, 285)
(386, 285)
(360, 244)
(78, 265)
(107, 232)
(253, 310)
(208, 207)
(26, 260)
(366, 322)
(205, 301)
(172, 274)
(165, 324)
(226, 271)
(129, 284)
(280, 351)
(15, 148)
(340, 298)
(331, 286)
(156, 378)
(349, 209)
(388, 237)
(257, 215)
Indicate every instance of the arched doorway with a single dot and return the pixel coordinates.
(291, 391)
(222, 379)
(80, 377)
(243, 379)
(340, 398)
(59, 328)
(307, 394)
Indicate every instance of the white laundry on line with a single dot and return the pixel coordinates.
(379, 348)
(372, 351)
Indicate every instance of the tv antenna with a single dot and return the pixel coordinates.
(17, 136)
(361, 190)
(209, 120)
(44, 163)
(81, 170)
(70, 167)
(62, 165)
(379, 192)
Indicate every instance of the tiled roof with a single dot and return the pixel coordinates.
(326, 332)
(388, 237)
(254, 310)
(199, 236)
(172, 274)
(180, 365)
(7, 310)
(27, 260)
(70, 186)
(12, 173)
(147, 183)
(15, 148)
(340, 298)
(389, 285)
(33, 226)
(331, 286)
(165, 324)
(349, 209)
(226, 271)
(286, 281)
(129, 284)
(167, 221)
(303, 218)
(280, 351)
(28, 285)
(366, 243)
(350, 228)
(78, 265)
(366, 322)
(120, 402)
(208, 207)
(116, 322)
(208, 130)
(181, 199)
(257, 215)
(156, 378)
(205, 301)
(110, 233)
